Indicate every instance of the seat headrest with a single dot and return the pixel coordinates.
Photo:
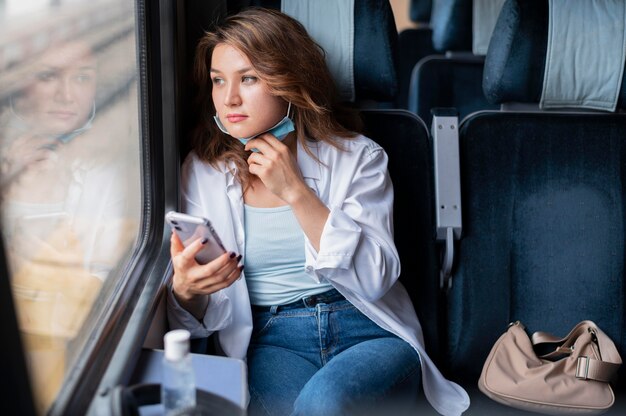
(463, 25)
(451, 22)
(374, 46)
(420, 10)
(515, 65)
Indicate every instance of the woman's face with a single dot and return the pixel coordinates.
(242, 100)
(60, 96)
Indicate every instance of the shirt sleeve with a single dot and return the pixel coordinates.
(356, 247)
(217, 316)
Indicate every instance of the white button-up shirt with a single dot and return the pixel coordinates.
(357, 253)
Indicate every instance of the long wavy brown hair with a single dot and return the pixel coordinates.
(292, 66)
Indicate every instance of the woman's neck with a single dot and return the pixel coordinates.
(257, 195)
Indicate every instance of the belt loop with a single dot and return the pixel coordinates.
(274, 309)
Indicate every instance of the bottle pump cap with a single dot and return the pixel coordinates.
(176, 344)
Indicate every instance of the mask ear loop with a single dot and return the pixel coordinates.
(14, 112)
(93, 113)
(219, 124)
(289, 109)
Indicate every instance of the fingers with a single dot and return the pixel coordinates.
(183, 259)
(214, 267)
(31, 142)
(259, 163)
(268, 154)
(222, 278)
(28, 151)
(207, 279)
(266, 144)
(189, 253)
(176, 246)
(27, 145)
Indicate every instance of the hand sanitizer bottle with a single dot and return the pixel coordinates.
(178, 389)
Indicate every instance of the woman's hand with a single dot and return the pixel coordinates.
(275, 165)
(192, 282)
(26, 153)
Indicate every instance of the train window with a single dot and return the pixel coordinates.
(70, 183)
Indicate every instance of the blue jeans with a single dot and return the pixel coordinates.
(321, 356)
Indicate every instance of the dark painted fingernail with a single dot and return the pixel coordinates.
(204, 241)
(232, 254)
(239, 257)
(241, 267)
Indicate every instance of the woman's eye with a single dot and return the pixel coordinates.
(82, 78)
(46, 75)
(248, 79)
(217, 81)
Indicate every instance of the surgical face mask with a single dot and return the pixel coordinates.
(280, 130)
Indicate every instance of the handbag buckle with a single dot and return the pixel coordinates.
(594, 337)
(582, 368)
(515, 323)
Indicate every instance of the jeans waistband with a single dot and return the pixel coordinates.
(327, 297)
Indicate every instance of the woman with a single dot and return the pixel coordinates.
(320, 315)
(56, 105)
(62, 183)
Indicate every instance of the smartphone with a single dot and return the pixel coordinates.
(189, 228)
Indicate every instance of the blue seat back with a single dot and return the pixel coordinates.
(413, 45)
(419, 10)
(405, 139)
(451, 80)
(441, 81)
(543, 208)
(543, 217)
(451, 21)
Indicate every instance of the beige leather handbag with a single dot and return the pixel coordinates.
(573, 377)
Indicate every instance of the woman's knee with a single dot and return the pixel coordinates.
(324, 400)
(364, 381)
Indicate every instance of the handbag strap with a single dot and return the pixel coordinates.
(541, 337)
(587, 368)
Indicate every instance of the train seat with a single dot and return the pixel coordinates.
(419, 10)
(453, 78)
(413, 45)
(543, 193)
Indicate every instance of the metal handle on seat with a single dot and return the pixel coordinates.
(445, 134)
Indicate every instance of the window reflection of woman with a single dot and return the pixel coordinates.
(56, 104)
(40, 154)
(60, 97)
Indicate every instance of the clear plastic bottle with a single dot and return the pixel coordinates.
(178, 389)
